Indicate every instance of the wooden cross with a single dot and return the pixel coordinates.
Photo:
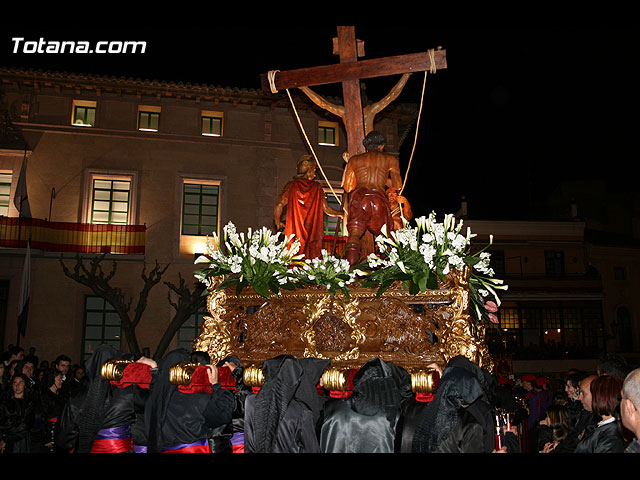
(350, 71)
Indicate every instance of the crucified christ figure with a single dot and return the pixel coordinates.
(368, 111)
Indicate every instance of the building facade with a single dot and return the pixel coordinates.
(142, 172)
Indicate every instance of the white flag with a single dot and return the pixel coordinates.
(20, 198)
(25, 293)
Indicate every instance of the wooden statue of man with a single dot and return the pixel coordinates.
(306, 203)
(366, 177)
(400, 208)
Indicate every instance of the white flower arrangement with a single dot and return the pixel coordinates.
(260, 259)
(417, 256)
(266, 264)
(327, 270)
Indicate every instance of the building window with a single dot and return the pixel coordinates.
(102, 325)
(211, 124)
(327, 133)
(190, 329)
(552, 326)
(554, 263)
(572, 326)
(110, 201)
(5, 193)
(148, 118)
(200, 208)
(84, 113)
(551, 329)
(624, 329)
(497, 262)
(619, 273)
(330, 223)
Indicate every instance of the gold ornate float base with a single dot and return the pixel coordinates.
(413, 331)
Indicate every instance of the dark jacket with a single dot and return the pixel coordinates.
(606, 438)
(17, 417)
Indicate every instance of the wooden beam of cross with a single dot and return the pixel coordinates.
(349, 72)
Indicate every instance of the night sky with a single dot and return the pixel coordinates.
(516, 111)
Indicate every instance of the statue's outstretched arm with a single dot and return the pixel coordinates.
(323, 103)
(390, 97)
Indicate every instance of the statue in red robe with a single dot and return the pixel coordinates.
(306, 203)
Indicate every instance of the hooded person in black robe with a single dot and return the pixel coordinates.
(461, 417)
(98, 417)
(181, 421)
(229, 438)
(366, 421)
(282, 417)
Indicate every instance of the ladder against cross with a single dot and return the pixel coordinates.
(349, 72)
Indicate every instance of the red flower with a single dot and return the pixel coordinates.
(491, 306)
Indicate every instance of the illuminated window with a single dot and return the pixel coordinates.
(5, 193)
(200, 208)
(552, 325)
(509, 318)
(84, 113)
(327, 133)
(102, 325)
(330, 223)
(148, 118)
(110, 201)
(211, 124)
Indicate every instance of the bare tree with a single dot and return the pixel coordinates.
(188, 302)
(94, 278)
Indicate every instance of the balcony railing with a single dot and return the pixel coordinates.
(71, 237)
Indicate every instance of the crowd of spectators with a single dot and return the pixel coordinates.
(59, 406)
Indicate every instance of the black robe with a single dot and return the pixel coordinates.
(367, 421)
(282, 417)
(443, 417)
(98, 406)
(173, 418)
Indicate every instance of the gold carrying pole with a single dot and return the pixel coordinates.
(113, 370)
(335, 378)
(182, 372)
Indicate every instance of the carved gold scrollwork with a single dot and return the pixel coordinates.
(348, 312)
(460, 335)
(215, 338)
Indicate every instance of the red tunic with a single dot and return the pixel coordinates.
(305, 215)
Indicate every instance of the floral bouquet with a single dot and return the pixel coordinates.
(334, 273)
(266, 264)
(419, 255)
(259, 260)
